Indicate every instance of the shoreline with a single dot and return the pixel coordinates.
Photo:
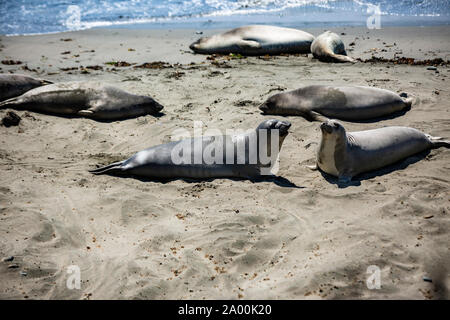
(175, 43)
(295, 19)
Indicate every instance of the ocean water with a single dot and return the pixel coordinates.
(37, 17)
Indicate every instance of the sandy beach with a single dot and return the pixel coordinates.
(299, 236)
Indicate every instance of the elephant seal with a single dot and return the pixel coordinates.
(328, 47)
(238, 156)
(256, 40)
(13, 85)
(89, 99)
(352, 103)
(347, 154)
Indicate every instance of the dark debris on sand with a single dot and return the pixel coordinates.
(26, 68)
(409, 61)
(230, 56)
(82, 69)
(155, 65)
(175, 75)
(245, 103)
(68, 69)
(221, 64)
(94, 67)
(11, 119)
(11, 62)
(119, 63)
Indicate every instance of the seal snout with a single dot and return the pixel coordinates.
(194, 45)
(158, 107)
(330, 126)
(327, 127)
(263, 107)
(266, 107)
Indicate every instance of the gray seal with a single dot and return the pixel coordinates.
(231, 158)
(256, 40)
(347, 154)
(351, 103)
(88, 99)
(13, 85)
(328, 47)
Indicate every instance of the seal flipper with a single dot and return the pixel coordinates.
(248, 44)
(315, 116)
(342, 58)
(408, 102)
(437, 142)
(9, 103)
(86, 113)
(112, 168)
(45, 82)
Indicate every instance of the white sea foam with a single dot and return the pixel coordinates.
(33, 16)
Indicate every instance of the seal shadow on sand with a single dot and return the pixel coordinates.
(75, 116)
(390, 116)
(356, 181)
(278, 180)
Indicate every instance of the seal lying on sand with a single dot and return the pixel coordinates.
(346, 154)
(328, 47)
(89, 99)
(238, 156)
(352, 103)
(256, 40)
(13, 85)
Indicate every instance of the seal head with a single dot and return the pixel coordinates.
(277, 104)
(212, 44)
(195, 46)
(333, 147)
(267, 127)
(274, 124)
(290, 104)
(332, 127)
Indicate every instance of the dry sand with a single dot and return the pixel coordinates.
(226, 239)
